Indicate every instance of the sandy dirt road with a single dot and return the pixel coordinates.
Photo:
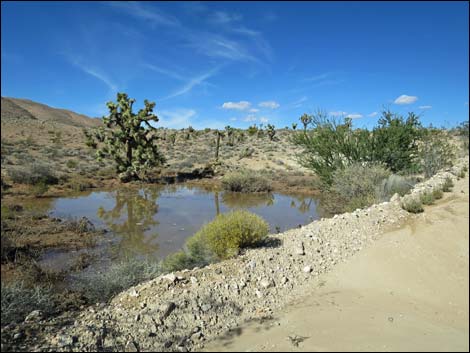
(409, 291)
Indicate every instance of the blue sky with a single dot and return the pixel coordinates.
(212, 64)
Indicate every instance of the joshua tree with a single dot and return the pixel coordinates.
(294, 126)
(252, 130)
(89, 141)
(172, 138)
(127, 140)
(230, 134)
(306, 119)
(271, 131)
(219, 134)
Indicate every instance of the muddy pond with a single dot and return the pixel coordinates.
(155, 221)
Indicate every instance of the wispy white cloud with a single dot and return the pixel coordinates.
(371, 115)
(177, 118)
(218, 46)
(96, 73)
(317, 77)
(296, 104)
(354, 116)
(188, 86)
(257, 37)
(254, 110)
(233, 119)
(250, 118)
(222, 17)
(263, 119)
(425, 107)
(214, 45)
(269, 104)
(337, 113)
(137, 10)
(166, 72)
(242, 105)
(404, 99)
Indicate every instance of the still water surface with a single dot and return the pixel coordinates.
(155, 221)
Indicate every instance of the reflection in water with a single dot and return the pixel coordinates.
(245, 200)
(216, 200)
(303, 206)
(131, 216)
(140, 226)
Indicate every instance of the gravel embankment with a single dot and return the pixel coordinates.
(183, 310)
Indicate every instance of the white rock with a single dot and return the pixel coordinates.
(170, 277)
(266, 283)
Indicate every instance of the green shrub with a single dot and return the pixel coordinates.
(448, 185)
(356, 185)
(331, 145)
(394, 184)
(427, 198)
(412, 205)
(252, 130)
(230, 232)
(71, 164)
(40, 188)
(101, 286)
(177, 261)
(18, 300)
(435, 152)
(245, 181)
(33, 174)
(437, 194)
(246, 152)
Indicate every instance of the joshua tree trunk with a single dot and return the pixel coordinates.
(217, 147)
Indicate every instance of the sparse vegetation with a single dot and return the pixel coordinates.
(435, 151)
(33, 174)
(427, 198)
(101, 286)
(18, 300)
(412, 205)
(394, 184)
(355, 186)
(245, 181)
(448, 185)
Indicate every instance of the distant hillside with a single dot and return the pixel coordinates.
(12, 111)
(21, 109)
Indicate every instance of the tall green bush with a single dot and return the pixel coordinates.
(333, 144)
(395, 140)
(435, 151)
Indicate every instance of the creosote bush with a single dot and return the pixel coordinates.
(435, 151)
(355, 186)
(245, 181)
(220, 239)
(448, 185)
(33, 174)
(412, 205)
(230, 232)
(427, 198)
